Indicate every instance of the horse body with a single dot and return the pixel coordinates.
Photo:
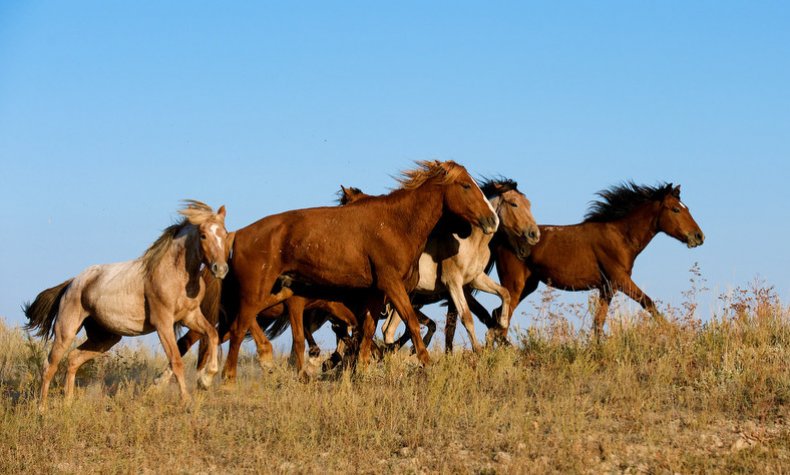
(151, 293)
(600, 252)
(372, 246)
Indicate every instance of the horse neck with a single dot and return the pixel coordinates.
(183, 255)
(640, 226)
(417, 211)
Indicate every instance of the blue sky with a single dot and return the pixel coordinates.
(111, 112)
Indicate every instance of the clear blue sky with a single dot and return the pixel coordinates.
(111, 112)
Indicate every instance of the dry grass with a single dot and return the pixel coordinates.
(684, 398)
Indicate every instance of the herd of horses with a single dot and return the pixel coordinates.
(437, 237)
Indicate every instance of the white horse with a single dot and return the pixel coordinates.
(454, 264)
(151, 293)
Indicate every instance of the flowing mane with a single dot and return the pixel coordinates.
(496, 186)
(195, 213)
(618, 201)
(442, 172)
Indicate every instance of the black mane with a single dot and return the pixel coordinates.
(618, 201)
(496, 186)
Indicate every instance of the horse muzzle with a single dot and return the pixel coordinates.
(532, 235)
(489, 224)
(220, 270)
(695, 239)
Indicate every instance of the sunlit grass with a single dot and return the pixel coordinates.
(690, 397)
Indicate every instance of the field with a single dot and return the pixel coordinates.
(684, 398)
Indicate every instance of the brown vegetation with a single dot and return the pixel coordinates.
(691, 397)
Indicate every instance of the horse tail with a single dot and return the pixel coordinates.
(275, 327)
(43, 312)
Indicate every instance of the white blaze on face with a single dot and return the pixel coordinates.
(682, 205)
(214, 229)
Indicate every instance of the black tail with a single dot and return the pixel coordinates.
(275, 327)
(43, 312)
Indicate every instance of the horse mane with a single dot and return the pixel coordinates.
(430, 170)
(496, 186)
(195, 213)
(618, 201)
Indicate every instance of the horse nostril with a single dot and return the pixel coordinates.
(700, 237)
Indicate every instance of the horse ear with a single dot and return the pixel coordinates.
(221, 211)
(676, 191)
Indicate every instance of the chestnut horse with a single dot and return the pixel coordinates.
(599, 253)
(453, 265)
(151, 293)
(370, 248)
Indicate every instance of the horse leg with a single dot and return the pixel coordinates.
(187, 340)
(99, 341)
(168, 339)
(248, 311)
(457, 294)
(605, 295)
(263, 347)
(296, 315)
(393, 287)
(499, 332)
(390, 326)
(628, 287)
(197, 322)
(479, 311)
(449, 327)
(314, 350)
(367, 331)
(67, 325)
(427, 322)
(486, 284)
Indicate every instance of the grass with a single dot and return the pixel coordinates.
(690, 397)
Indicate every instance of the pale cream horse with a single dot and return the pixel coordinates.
(151, 293)
(454, 264)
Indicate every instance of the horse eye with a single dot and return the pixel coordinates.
(466, 186)
(513, 204)
(676, 210)
(202, 236)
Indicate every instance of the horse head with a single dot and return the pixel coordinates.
(514, 210)
(675, 219)
(213, 235)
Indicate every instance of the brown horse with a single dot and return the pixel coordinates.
(454, 263)
(599, 253)
(370, 248)
(151, 293)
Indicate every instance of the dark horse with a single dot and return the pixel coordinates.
(368, 248)
(599, 253)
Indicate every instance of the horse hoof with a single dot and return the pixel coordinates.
(204, 382)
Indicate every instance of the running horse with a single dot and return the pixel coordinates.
(454, 264)
(369, 249)
(599, 253)
(154, 292)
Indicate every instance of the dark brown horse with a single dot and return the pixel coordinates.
(599, 253)
(369, 248)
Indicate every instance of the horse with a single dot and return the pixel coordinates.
(599, 253)
(454, 264)
(366, 250)
(154, 292)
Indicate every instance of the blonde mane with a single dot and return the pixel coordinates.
(442, 173)
(195, 213)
